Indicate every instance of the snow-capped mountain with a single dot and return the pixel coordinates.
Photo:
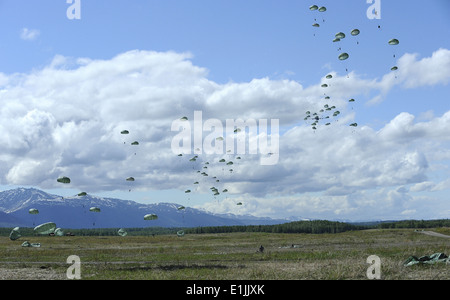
(74, 212)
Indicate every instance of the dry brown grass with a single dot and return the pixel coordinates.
(230, 256)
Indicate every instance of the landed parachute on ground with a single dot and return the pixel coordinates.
(45, 228)
(28, 244)
(122, 232)
(59, 232)
(15, 234)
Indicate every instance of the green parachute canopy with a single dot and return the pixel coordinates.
(322, 9)
(313, 7)
(45, 228)
(82, 194)
(124, 132)
(33, 211)
(339, 35)
(63, 179)
(59, 232)
(343, 56)
(150, 217)
(183, 118)
(122, 232)
(355, 32)
(94, 209)
(130, 179)
(180, 233)
(354, 124)
(15, 234)
(393, 42)
(28, 244)
(135, 143)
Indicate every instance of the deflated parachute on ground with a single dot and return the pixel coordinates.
(427, 259)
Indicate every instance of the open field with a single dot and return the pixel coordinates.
(227, 256)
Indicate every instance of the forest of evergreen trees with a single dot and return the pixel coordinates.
(314, 226)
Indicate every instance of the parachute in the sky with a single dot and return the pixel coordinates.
(63, 179)
(354, 124)
(180, 207)
(122, 232)
(150, 217)
(313, 7)
(124, 132)
(33, 211)
(45, 228)
(130, 179)
(95, 209)
(15, 234)
(183, 118)
(135, 143)
(239, 203)
(340, 35)
(343, 56)
(393, 42)
(322, 9)
(82, 194)
(355, 32)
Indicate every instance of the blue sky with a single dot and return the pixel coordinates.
(67, 86)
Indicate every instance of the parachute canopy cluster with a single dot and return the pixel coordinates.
(329, 111)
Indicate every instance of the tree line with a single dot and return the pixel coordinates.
(313, 226)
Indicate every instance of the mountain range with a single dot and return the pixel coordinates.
(74, 212)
